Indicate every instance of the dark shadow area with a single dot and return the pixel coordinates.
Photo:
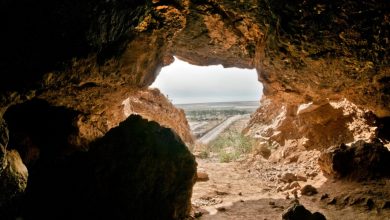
(138, 170)
(40, 131)
(384, 128)
(43, 36)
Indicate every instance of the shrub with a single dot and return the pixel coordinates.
(236, 142)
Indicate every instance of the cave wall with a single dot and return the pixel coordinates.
(86, 58)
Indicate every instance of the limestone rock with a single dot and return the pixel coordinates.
(13, 179)
(202, 176)
(299, 212)
(360, 161)
(288, 177)
(3, 144)
(154, 106)
(263, 149)
(308, 190)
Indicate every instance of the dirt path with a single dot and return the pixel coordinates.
(211, 135)
(227, 183)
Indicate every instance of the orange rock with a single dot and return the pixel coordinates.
(202, 176)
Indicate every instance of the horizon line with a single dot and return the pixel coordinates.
(213, 102)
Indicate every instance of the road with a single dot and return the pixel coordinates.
(212, 134)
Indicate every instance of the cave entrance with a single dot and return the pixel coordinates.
(218, 103)
(213, 98)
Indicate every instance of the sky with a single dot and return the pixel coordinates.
(186, 83)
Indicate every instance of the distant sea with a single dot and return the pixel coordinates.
(247, 105)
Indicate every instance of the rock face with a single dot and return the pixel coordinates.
(291, 130)
(13, 174)
(154, 106)
(312, 125)
(13, 180)
(4, 136)
(360, 161)
(138, 170)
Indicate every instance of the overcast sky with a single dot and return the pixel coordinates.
(186, 83)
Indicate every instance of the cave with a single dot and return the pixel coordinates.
(82, 136)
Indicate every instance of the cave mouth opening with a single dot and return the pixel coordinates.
(218, 103)
(212, 97)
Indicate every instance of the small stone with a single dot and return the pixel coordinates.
(198, 214)
(288, 177)
(294, 192)
(312, 174)
(272, 203)
(294, 185)
(240, 194)
(221, 209)
(309, 190)
(202, 176)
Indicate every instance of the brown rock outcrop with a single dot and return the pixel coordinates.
(360, 161)
(13, 174)
(4, 136)
(154, 106)
(13, 181)
(312, 125)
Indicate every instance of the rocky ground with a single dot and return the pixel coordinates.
(253, 187)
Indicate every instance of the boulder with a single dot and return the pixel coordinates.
(13, 179)
(308, 190)
(299, 212)
(360, 161)
(138, 170)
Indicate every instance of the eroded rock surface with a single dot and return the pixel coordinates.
(4, 136)
(154, 106)
(359, 161)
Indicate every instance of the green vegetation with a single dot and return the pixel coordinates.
(204, 154)
(231, 145)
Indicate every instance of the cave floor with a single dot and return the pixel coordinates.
(233, 192)
(249, 188)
